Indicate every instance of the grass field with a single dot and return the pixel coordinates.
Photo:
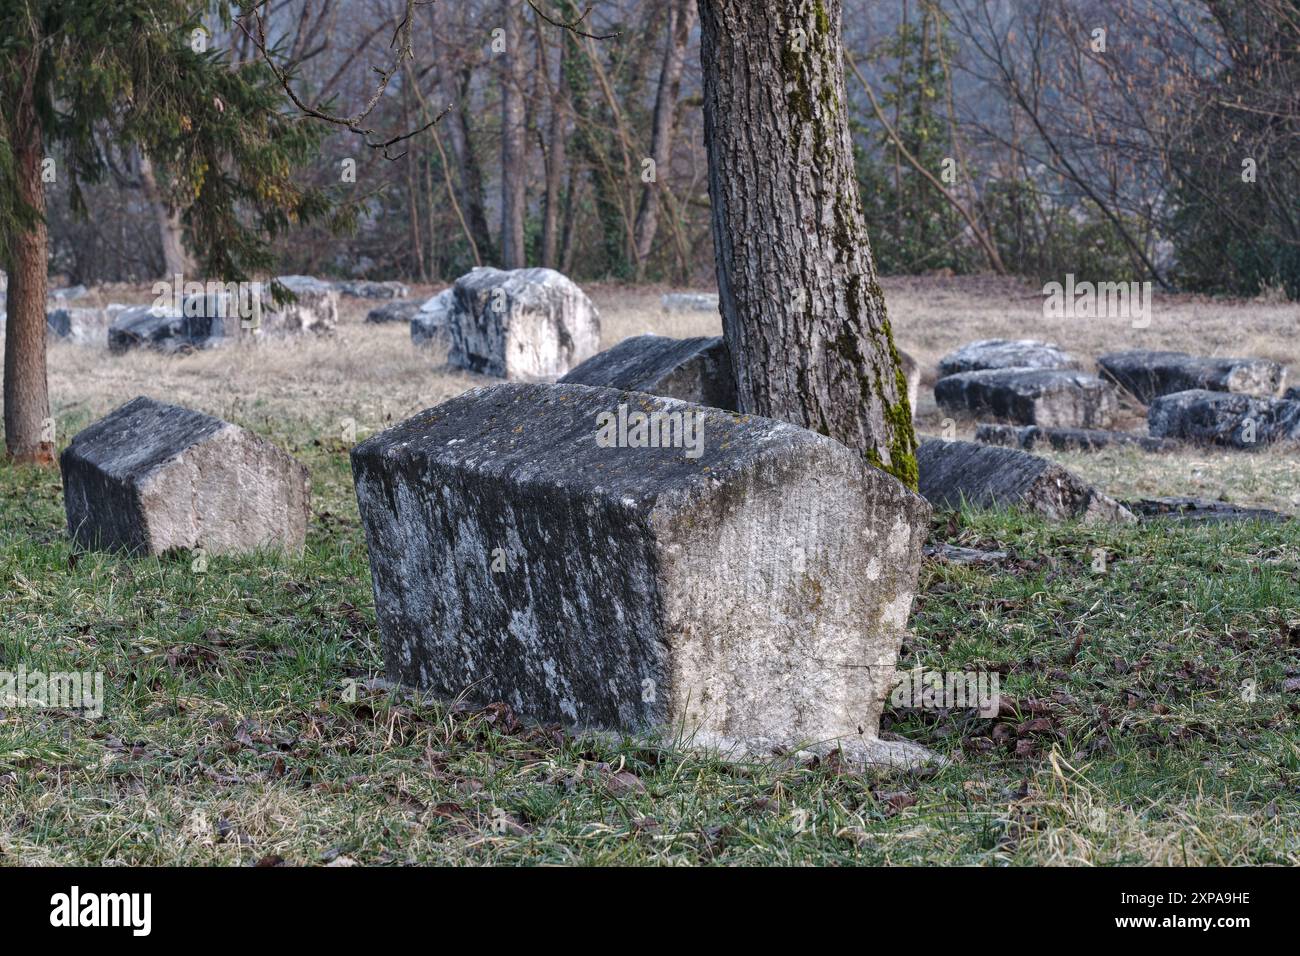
(1149, 711)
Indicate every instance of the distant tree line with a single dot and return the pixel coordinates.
(1113, 139)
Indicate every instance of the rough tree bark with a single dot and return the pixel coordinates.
(555, 156)
(803, 314)
(512, 143)
(681, 20)
(26, 392)
(176, 260)
(471, 174)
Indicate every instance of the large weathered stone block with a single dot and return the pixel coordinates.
(750, 589)
(988, 476)
(1005, 353)
(1224, 418)
(1027, 396)
(523, 325)
(694, 370)
(150, 477)
(1149, 374)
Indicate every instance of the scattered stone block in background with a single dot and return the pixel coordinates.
(431, 325)
(150, 477)
(1005, 353)
(367, 289)
(84, 326)
(1029, 437)
(1149, 374)
(205, 321)
(752, 597)
(1224, 418)
(689, 302)
(987, 476)
(1027, 396)
(523, 325)
(1200, 511)
(696, 370)
(399, 310)
(145, 326)
(316, 308)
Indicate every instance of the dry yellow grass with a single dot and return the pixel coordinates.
(372, 374)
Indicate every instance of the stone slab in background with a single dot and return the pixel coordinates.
(1200, 511)
(1149, 374)
(368, 289)
(316, 308)
(753, 597)
(689, 301)
(399, 310)
(150, 477)
(694, 370)
(955, 554)
(1224, 418)
(431, 324)
(83, 326)
(1005, 353)
(1027, 396)
(987, 476)
(523, 325)
(1030, 437)
(144, 326)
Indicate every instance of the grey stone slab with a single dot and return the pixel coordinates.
(1229, 419)
(694, 370)
(315, 309)
(399, 310)
(689, 301)
(751, 594)
(143, 326)
(84, 326)
(1200, 511)
(1148, 374)
(1005, 353)
(150, 477)
(368, 289)
(1030, 437)
(431, 325)
(954, 554)
(987, 476)
(531, 325)
(1027, 396)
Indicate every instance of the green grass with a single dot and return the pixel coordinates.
(230, 735)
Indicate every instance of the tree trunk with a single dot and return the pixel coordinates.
(681, 19)
(512, 144)
(803, 314)
(176, 261)
(555, 162)
(471, 175)
(26, 391)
